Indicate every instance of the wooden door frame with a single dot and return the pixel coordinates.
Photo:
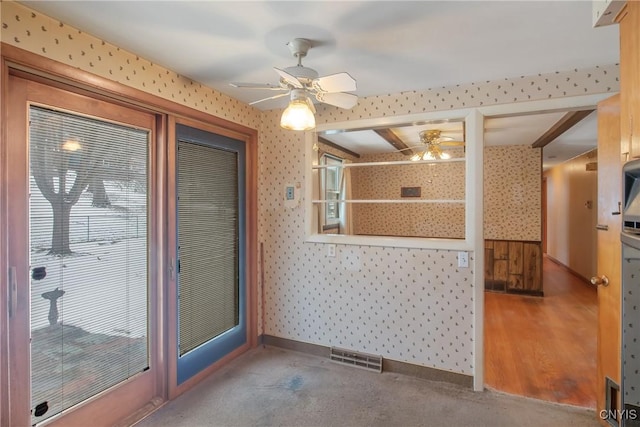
(16, 61)
(609, 249)
(251, 169)
(544, 215)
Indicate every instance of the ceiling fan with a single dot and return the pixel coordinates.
(432, 143)
(301, 83)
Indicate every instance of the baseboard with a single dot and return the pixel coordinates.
(569, 269)
(388, 365)
(302, 347)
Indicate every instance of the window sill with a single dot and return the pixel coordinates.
(389, 241)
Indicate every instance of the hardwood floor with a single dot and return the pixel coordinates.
(544, 347)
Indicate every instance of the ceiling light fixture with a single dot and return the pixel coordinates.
(431, 139)
(299, 115)
(71, 144)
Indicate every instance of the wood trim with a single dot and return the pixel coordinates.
(609, 249)
(171, 258)
(17, 255)
(564, 124)
(544, 214)
(4, 226)
(395, 141)
(130, 396)
(338, 147)
(36, 65)
(621, 14)
(159, 274)
(177, 390)
(251, 153)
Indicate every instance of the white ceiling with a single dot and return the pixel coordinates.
(388, 47)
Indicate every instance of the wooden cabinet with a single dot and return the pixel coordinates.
(629, 20)
(513, 266)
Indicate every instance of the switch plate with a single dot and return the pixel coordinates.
(331, 250)
(463, 259)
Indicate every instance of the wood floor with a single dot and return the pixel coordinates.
(544, 347)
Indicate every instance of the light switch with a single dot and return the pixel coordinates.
(463, 259)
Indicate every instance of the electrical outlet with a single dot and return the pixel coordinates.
(289, 193)
(463, 259)
(331, 250)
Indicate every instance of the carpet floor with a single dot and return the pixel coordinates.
(276, 387)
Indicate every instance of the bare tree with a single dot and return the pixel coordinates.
(96, 187)
(52, 158)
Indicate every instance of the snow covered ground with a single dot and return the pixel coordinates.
(105, 279)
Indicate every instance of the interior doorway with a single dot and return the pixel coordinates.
(544, 346)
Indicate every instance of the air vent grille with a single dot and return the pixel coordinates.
(366, 361)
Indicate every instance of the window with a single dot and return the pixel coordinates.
(331, 180)
(405, 180)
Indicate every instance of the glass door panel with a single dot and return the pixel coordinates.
(211, 300)
(88, 216)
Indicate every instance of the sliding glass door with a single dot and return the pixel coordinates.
(81, 297)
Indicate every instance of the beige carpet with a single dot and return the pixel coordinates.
(275, 387)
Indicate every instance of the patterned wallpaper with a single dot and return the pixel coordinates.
(557, 84)
(412, 305)
(40, 34)
(512, 193)
(406, 304)
(437, 181)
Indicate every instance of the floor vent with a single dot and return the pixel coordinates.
(370, 362)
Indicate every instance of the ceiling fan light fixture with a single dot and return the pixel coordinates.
(298, 116)
(428, 155)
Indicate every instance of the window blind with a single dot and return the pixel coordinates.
(88, 255)
(208, 243)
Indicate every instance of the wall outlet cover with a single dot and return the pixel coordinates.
(289, 192)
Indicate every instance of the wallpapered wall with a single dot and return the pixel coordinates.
(40, 34)
(443, 181)
(512, 193)
(412, 305)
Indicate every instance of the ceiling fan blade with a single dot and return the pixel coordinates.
(340, 82)
(266, 86)
(451, 143)
(292, 80)
(342, 100)
(311, 106)
(280, 95)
